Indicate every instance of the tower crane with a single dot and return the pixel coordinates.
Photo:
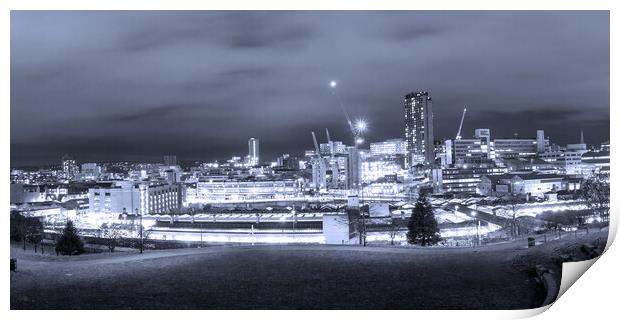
(321, 174)
(329, 142)
(458, 134)
(316, 146)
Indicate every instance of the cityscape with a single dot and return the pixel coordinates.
(354, 201)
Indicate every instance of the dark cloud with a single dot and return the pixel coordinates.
(116, 85)
(539, 116)
(156, 113)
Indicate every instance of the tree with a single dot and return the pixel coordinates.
(111, 233)
(511, 201)
(69, 242)
(393, 231)
(17, 226)
(595, 193)
(34, 231)
(26, 229)
(423, 229)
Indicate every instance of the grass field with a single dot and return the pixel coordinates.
(277, 277)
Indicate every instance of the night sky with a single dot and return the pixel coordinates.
(137, 85)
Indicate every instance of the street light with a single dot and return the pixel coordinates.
(294, 220)
(141, 239)
(476, 223)
(283, 219)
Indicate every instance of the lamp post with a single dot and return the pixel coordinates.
(477, 225)
(294, 220)
(283, 220)
(141, 239)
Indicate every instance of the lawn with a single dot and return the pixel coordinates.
(277, 277)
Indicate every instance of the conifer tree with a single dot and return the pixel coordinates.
(69, 242)
(423, 229)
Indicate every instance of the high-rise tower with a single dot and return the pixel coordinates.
(253, 152)
(419, 128)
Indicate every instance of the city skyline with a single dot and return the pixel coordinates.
(141, 84)
(301, 160)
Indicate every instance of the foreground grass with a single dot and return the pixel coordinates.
(278, 277)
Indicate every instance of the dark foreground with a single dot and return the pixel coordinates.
(277, 277)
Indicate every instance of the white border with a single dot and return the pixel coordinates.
(593, 296)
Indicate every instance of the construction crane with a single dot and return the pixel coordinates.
(321, 174)
(329, 142)
(316, 146)
(458, 134)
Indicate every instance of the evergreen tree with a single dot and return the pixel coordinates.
(70, 243)
(423, 228)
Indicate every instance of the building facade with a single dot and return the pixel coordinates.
(523, 184)
(419, 129)
(461, 180)
(375, 167)
(253, 151)
(69, 167)
(230, 190)
(390, 147)
(135, 198)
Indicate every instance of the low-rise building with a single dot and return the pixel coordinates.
(461, 180)
(25, 193)
(599, 161)
(232, 190)
(525, 184)
(135, 198)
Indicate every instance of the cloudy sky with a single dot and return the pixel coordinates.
(138, 85)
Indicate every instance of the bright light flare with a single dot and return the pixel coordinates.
(361, 125)
(359, 140)
(333, 84)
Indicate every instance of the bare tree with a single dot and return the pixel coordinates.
(111, 233)
(511, 201)
(393, 231)
(595, 193)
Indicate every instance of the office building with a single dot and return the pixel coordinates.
(69, 167)
(540, 141)
(353, 166)
(231, 190)
(253, 151)
(419, 129)
(461, 180)
(135, 198)
(375, 167)
(526, 184)
(170, 160)
(392, 147)
(514, 148)
(90, 171)
(466, 151)
(598, 160)
(333, 147)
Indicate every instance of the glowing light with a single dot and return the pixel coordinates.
(361, 125)
(359, 141)
(282, 218)
(333, 84)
